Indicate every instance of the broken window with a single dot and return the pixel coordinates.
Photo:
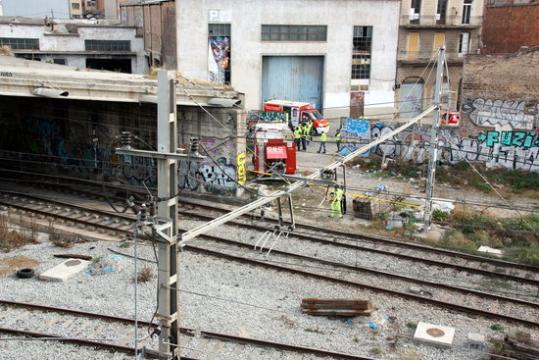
(219, 53)
(466, 11)
(414, 11)
(294, 33)
(361, 55)
(20, 43)
(107, 45)
(441, 11)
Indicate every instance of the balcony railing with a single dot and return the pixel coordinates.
(425, 56)
(413, 20)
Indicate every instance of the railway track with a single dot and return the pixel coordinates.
(12, 312)
(416, 252)
(326, 268)
(381, 245)
(71, 326)
(299, 269)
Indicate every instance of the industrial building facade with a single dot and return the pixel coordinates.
(337, 55)
(426, 25)
(77, 43)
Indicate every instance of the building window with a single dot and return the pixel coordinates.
(441, 12)
(294, 33)
(220, 44)
(414, 11)
(59, 61)
(361, 54)
(75, 6)
(20, 43)
(464, 43)
(107, 45)
(466, 11)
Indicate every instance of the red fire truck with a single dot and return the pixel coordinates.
(297, 113)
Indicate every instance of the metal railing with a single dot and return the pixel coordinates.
(433, 20)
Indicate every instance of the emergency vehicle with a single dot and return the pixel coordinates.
(297, 113)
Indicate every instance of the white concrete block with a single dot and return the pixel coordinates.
(434, 334)
(489, 250)
(64, 270)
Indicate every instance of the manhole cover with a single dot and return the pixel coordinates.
(435, 332)
(72, 263)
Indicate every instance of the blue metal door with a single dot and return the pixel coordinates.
(294, 78)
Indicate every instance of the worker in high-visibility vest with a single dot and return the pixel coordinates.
(323, 139)
(310, 130)
(297, 137)
(336, 203)
(338, 139)
(304, 134)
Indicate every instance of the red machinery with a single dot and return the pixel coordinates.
(276, 156)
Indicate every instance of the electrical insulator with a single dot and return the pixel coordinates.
(126, 139)
(194, 145)
(142, 214)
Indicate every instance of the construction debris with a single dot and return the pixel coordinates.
(336, 307)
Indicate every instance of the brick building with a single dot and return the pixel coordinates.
(510, 24)
(425, 25)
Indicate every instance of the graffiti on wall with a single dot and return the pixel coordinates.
(242, 170)
(354, 133)
(255, 115)
(517, 150)
(217, 175)
(490, 113)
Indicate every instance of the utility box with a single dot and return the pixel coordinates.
(362, 209)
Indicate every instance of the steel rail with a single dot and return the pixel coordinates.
(377, 272)
(187, 331)
(324, 240)
(438, 303)
(77, 341)
(381, 239)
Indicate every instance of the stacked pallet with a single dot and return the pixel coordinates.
(336, 307)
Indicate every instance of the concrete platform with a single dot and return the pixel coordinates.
(65, 270)
(434, 334)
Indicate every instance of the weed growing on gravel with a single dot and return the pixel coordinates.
(519, 236)
(496, 327)
(124, 245)
(145, 275)
(311, 330)
(411, 325)
(11, 239)
(376, 351)
(62, 240)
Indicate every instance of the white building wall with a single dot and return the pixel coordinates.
(246, 18)
(62, 42)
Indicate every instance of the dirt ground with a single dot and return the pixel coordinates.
(359, 180)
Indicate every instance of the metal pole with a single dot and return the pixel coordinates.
(167, 189)
(434, 135)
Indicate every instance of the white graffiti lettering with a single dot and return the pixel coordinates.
(490, 113)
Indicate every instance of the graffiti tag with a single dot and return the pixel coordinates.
(502, 112)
